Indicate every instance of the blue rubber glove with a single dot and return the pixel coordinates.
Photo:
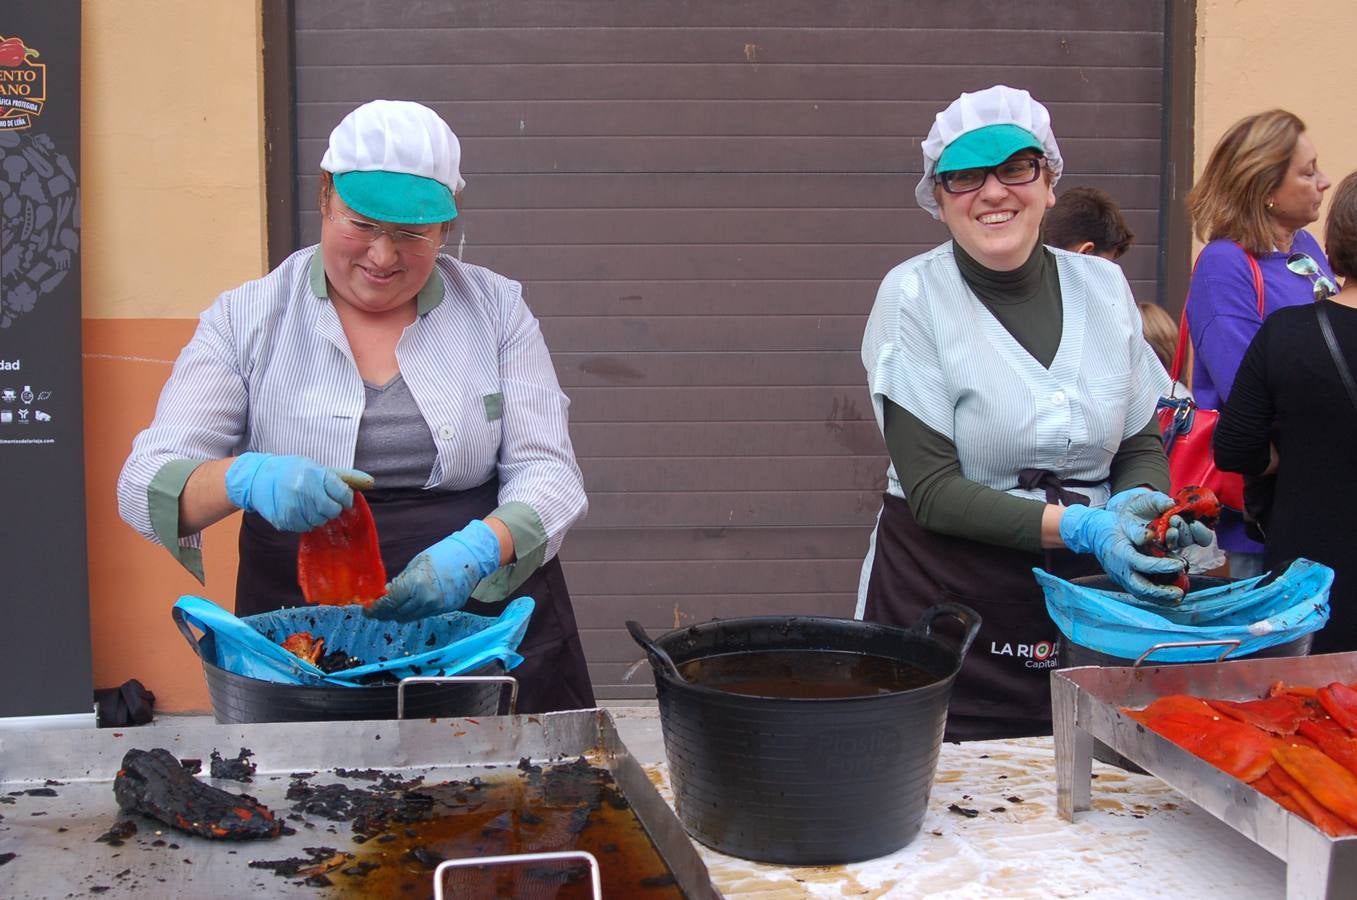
(292, 492)
(440, 579)
(1100, 532)
(1138, 507)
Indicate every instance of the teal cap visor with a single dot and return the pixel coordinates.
(396, 197)
(986, 147)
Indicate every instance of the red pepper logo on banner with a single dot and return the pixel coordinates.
(23, 84)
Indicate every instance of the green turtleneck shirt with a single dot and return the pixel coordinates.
(1027, 302)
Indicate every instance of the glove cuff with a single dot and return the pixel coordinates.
(1073, 522)
(240, 477)
(482, 541)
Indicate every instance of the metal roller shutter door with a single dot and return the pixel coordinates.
(700, 199)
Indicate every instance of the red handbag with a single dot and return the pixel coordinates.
(1188, 429)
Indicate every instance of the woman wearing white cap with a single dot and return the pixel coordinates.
(1016, 396)
(374, 361)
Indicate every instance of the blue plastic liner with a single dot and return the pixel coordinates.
(1257, 615)
(448, 644)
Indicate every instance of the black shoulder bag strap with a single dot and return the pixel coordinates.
(1322, 311)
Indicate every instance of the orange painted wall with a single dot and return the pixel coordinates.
(133, 583)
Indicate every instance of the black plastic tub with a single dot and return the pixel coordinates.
(805, 780)
(238, 699)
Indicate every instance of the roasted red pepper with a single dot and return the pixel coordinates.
(1193, 503)
(1328, 782)
(341, 562)
(13, 53)
(1242, 750)
(1281, 714)
(1304, 804)
(1168, 705)
(303, 644)
(1340, 701)
(1333, 740)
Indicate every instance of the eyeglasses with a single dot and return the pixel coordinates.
(409, 242)
(1304, 264)
(1011, 171)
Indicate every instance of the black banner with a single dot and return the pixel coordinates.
(45, 663)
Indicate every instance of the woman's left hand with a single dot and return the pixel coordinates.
(1136, 508)
(440, 579)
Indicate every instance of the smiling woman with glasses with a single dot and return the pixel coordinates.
(1261, 187)
(372, 362)
(1291, 423)
(1016, 399)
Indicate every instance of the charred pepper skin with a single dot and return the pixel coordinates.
(155, 783)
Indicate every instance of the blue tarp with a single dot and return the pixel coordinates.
(1255, 614)
(448, 644)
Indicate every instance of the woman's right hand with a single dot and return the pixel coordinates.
(1101, 533)
(291, 492)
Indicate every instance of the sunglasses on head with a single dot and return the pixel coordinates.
(1304, 264)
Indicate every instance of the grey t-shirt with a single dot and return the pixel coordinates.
(394, 444)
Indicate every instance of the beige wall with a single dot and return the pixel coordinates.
(172, 154)
(1254, 55)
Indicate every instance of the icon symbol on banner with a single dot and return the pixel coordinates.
(23, 414)
(44, 395)
(8, 395)
(27, 395)
(41, 416)
(6, 416)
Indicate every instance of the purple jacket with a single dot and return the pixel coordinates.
(1222, 317)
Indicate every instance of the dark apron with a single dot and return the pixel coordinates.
(553, 675)
(1004, 688)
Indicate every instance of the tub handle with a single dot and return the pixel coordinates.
(181, 620)
(457, 679)
(1230, 645)
(969, 619)
(576, 856)
(654, 650)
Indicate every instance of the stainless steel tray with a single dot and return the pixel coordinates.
(1086, 705)
(54, 837)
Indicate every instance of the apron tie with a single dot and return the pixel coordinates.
(1032, 479)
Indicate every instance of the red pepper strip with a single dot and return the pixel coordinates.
(1328, 782)
(340, 562)
(1268, 787)
(1333, 742)
(1236, 747)
(1310, 809)
(1276, 715)
(1340, 701)
(1167, 704)
(1305, 693)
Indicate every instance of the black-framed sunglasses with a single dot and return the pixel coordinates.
(1304, 264)
(1023, 170)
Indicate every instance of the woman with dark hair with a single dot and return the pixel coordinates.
(1261, 187)
(1291, 416)
(1017, 401)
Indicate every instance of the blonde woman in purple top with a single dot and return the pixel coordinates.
(1262, 185)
